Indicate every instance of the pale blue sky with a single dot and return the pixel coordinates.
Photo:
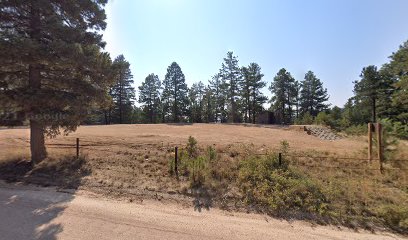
(335, 39)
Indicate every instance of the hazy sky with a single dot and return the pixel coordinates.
(335, 39)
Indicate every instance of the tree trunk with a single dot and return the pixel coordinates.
(37, 143)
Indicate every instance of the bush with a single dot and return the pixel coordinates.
(323, 119)
(306, 119)
(198, 169)
(357, 130)
(191, 147)
(395, 128)
(266, 183)
(395, 217)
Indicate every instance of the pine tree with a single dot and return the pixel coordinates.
(296, 93)
(398, 67)
(312, 95)
(368, 89)
(230, 72)
(149, 97)
(123, 93)
(218, 88)
(196, 95)
(252, 96)
(51, 64)
(282, 89)
(175, 95)
(208, 113)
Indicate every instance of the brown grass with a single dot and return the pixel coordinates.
(133, 161)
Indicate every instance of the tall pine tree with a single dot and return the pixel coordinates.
(398, 67)
(283, 98)
(251, 92)
(368, 89)
(123, 93)
(196, 95)
(208, 105)
(175, 95)
(149, 97)
(313, 96)
(218, 88)
(230, 72)
(52, 70)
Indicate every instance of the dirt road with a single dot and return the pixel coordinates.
(44, 213)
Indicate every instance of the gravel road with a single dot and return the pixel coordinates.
(28, 212)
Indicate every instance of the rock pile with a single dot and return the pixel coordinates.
(321, 132)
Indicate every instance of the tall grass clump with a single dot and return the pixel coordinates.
(277, 188)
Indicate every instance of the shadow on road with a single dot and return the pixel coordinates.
(202, 199)
(25, 212)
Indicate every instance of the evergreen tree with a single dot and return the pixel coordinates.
(123, 93)
(218, 88)
(296, 93)
(208, 105)
(149, 97)
(252, 96)
(370, 89)
(175, 95)
(398, 67)
(283, 98)
(312, 95)
(230, 72)
(51, 64)
(196, 95)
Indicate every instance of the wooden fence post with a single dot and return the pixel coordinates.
(77, 148)
(280, 159)
(176, 161)
(379, 145)
(370, 141)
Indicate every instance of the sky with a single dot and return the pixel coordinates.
(333, 38)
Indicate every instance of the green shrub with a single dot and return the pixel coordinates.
(395, 129)
(395, 216)
(356, 130)
(191, 147)
(198, 169)
(323, 119)
(279, 188)
(306, 119)
(211, 153)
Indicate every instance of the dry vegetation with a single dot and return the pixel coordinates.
(231, 166)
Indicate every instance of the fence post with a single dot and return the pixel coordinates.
(379, 145)
(176, 161)
(370, 141)
(77, 148)
(280, 159)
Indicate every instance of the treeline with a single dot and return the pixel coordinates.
(380, 95)
(234, 94)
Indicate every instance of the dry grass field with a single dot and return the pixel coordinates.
(135, 162)
(174, 134)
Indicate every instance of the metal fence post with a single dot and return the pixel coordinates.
(176, 161)
(280, 159)
(77, 148)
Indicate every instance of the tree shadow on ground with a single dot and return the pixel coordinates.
(202, 199)
(66, 172)
(27, 212)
